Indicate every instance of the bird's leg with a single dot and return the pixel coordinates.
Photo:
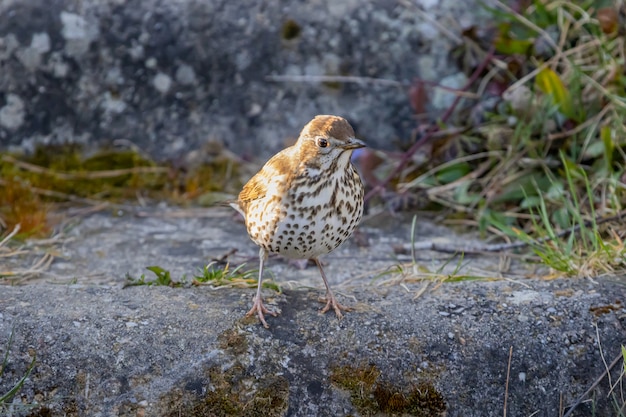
(258, 306)
(330, 297)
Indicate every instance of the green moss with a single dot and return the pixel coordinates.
(228, 394)
(29, 184)
(271, 400)
(20, 205)
(372, 394)
(352, 378)
(57, 157)
(70, 409)
(117, 175)
(41, 412)
(222, 398)
(233, 341)
(291, 30)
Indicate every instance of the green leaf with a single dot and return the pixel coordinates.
(595, 149)
(505, 43)
(462, 195)
(606, 133)
(555, 192)
(572, 169)
(18, 386)
(6, 397)
(498, 220)
(542, 16)
(530, 201)
(562, 218)
(158, 271)
(551, 84)
(163, 277)
(529, 185)
(453, 172)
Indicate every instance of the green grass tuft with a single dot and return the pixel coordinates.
(7, 396)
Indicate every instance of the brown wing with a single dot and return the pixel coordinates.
(254, 189)
(280, 164)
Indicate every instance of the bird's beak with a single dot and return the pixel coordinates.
(353, 143)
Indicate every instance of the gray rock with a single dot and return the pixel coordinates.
(168, 76)
(104, 350)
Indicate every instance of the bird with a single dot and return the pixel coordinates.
(305, 201)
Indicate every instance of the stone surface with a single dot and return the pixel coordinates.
(102, 248)
(104, 350)
(169, 75)
(160, 351)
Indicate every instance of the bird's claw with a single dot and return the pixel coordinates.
(332, 302)
(259, 308)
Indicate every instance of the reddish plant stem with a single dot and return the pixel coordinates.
(429, 134)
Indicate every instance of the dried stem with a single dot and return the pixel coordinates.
(418, 144)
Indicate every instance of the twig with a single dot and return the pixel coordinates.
(13, 253)
(530, 24)
(467, 158)
(83, 175)
(60, 195)
(593, 386)
(334, 79)
(506, 386)
(37, 268)
(595, 119)
(602, 352)
(418, 144)
(441, 27)
(10, 235)
(607, 372)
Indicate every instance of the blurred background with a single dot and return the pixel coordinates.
(502, 117)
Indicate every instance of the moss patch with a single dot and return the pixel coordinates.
(233, 341)
(230, 393)
(231, 390)
(372, 394)
(30, 185)
(291, 30)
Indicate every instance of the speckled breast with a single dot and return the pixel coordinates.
(311, 219)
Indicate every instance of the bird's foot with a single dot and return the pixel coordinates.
(259, 308)
(331, 301)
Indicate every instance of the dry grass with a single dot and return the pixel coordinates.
(20, 275)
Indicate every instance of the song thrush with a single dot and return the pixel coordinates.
(305, 201)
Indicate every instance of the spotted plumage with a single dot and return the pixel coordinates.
(306, 200)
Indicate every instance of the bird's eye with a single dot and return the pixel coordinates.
(322, 143)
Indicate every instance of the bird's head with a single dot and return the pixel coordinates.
(327, 139)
